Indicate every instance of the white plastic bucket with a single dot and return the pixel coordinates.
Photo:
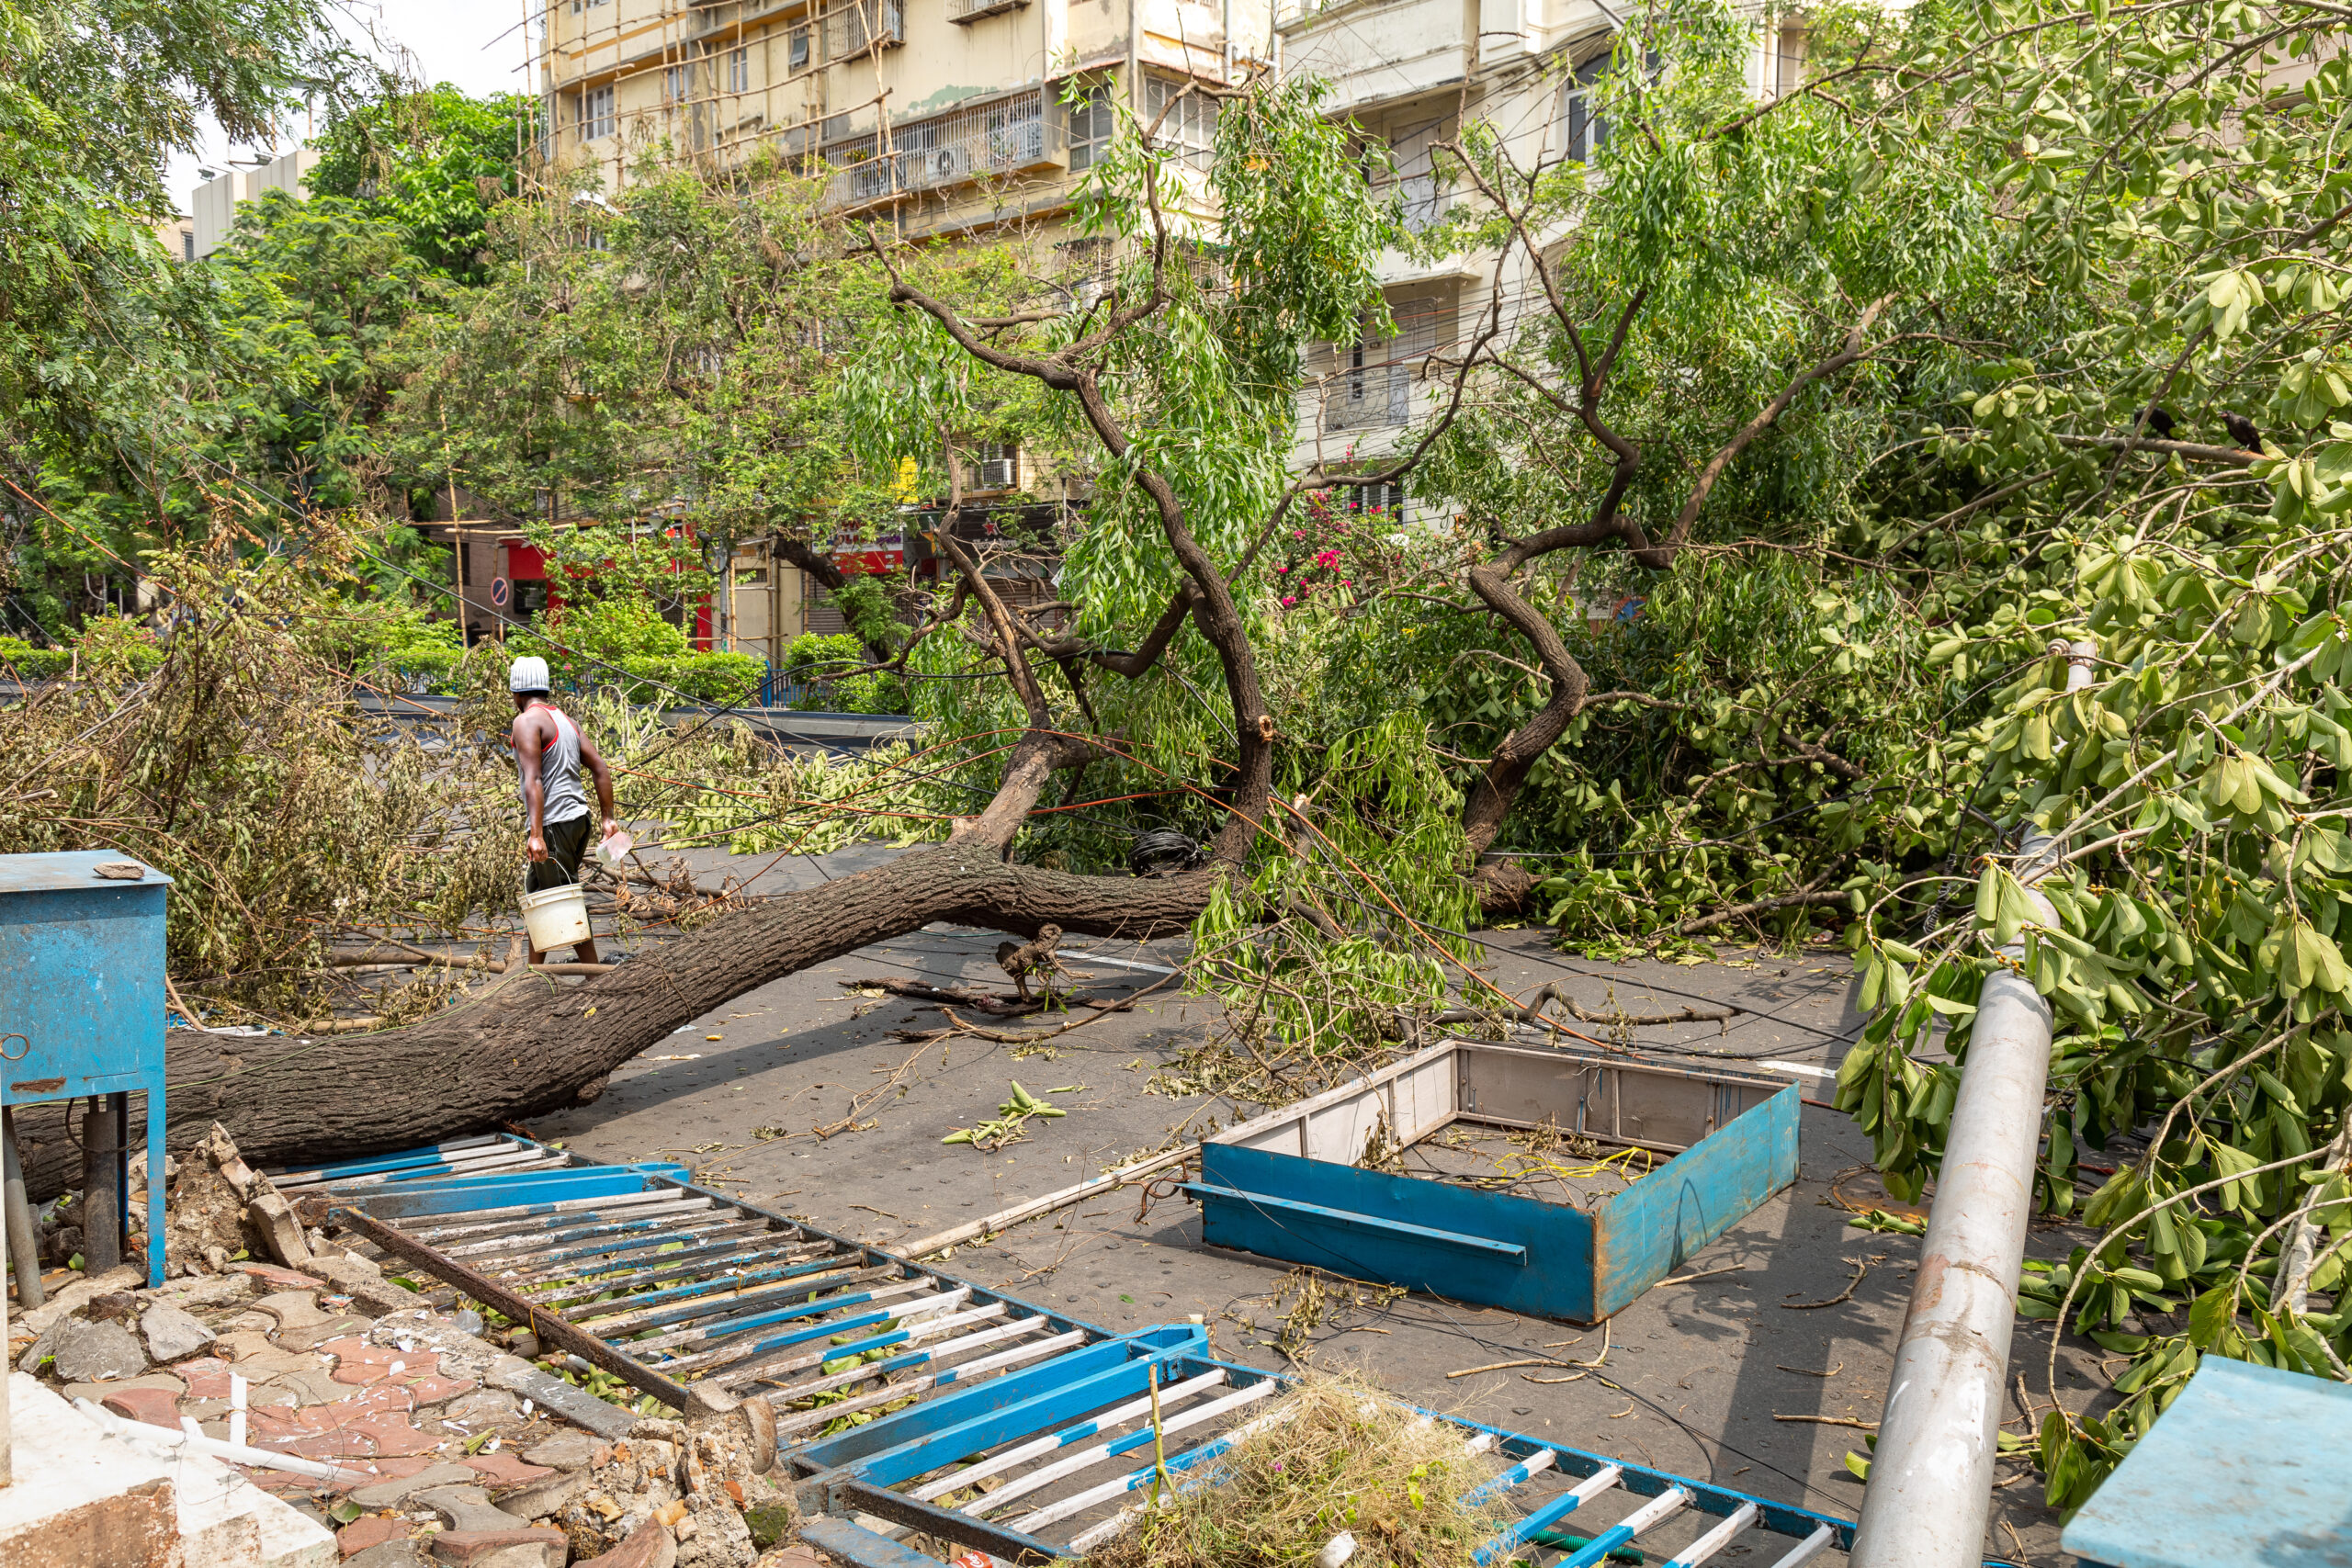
(556, 917)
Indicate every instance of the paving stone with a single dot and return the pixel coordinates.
(96, 1392)
(96, 1352)
(501, 1548)
(208, 1377)
(466, 1508)
(395, 1434)
(312, 1386)
(648, 1546)
(319, 1445)
(436, 1389)
(565, 1450)
(545, 1498)
(385, 1493)
(250, 1351)
(157, 1407)
(362, 1533)
(278, 1279)
(337, 1325)
(200, 1292)
(483, 1406)
(293, 1309)
(172, 1335)
(391, 1554)
(359, 1362)
(505, 1469)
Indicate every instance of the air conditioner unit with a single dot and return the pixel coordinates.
(999, 472)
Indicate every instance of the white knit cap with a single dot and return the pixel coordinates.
(527, 674)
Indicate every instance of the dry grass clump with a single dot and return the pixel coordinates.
(1343, 1457)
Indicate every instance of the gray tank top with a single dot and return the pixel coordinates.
(559, 774)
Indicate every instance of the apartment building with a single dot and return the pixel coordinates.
(1410, 73)
(945, 115)
(213, 205)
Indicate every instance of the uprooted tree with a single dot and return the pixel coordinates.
(2017, 325)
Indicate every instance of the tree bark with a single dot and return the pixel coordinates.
(528, 1046)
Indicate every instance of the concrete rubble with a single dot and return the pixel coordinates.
(456, 1451)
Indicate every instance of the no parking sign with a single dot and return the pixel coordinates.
(499, 591)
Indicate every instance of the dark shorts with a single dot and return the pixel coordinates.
(567, 845)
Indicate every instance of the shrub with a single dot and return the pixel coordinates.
(30, 663)
(815, 664)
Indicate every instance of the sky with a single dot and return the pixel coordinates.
(477, 44)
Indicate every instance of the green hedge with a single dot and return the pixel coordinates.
(722, 678)
(30, 663)
(811, 662)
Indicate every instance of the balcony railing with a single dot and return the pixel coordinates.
(1008, 136)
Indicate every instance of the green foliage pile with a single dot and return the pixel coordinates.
(227, 758)
(1341, 1457)
(834, 670)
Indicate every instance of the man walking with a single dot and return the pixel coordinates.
(548, 751)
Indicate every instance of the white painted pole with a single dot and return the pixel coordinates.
(7, 1474)
(1930, 1491)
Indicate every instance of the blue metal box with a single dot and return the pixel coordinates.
(82, 994)
(1302, 1184)
(2248, 1469)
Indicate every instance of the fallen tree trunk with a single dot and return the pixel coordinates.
(529, 1044)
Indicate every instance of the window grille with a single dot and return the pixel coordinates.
(738, 70)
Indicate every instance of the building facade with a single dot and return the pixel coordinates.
(945, 115)
(212, 206)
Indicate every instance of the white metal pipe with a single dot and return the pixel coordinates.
(235, 1453)
(1931, 1475)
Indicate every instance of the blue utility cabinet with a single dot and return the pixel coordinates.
(82, 995)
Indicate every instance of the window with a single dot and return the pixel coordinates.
(1787, 66)
(738, 70)
(1384, 499)
(1090, 127)
(580, 5)
(1415, 154)
(677, 83)
(798, 50)
(597, 113)
(1187, 122)
(1583, 128)
(187, 244)
(997, 466)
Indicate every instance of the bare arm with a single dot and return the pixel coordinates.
(602, 774)
(525, 738)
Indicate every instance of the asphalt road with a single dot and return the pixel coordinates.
(801, 1096)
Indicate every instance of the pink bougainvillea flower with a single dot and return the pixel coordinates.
(1326, 558)
(1288, 600)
